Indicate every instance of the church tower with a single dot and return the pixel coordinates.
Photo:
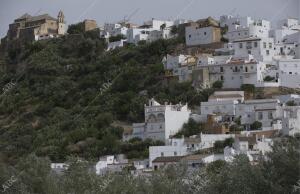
(61, 26)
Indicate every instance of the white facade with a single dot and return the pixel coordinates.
(199, 36)
(262, 110)
(134, 35)
(185, 146)
(234, 72)
(116, 44)
(244, 27)
(289, 72)
(161, 121)
(291, 120)
(157, 24)
(261, 48)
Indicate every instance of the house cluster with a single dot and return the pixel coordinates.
(254, 53)
(132, 34)
(253, 125)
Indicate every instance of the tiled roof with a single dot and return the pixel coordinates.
(249, 139)
(192, 140)
(167, 159)
(194, 157)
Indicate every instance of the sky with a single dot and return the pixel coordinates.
(115, 10)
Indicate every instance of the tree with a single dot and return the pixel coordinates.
(256, 125)
(116, 38)
(190, 128)
(248, 88)
(291, 103)
(218, 84)
(269, 78)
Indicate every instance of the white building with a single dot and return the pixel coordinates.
(223, 103)
(262, 110)
(261, 48)
(289, 72)
(195, 35)
(158, 24)
(116, 44)
(184, 146)
(234, 72)
(161, 121)
(110, 164)
(134, 35)
(291, 120)
(244, 27)
(115, 29)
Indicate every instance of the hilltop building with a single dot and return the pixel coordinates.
(39, 27)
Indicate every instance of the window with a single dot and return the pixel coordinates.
(232, 78)
(270, 115)
(175, 153)
(251, 67)
(260, 115)
(290, 73)
(204, 33)
(246, 69)
(222, 78)
(255, 44)
(265, 45)
(221, 69)
(190, 36)
(241, 45)
(267, 52)
(161, 154)
(249, 52)
(270, 44)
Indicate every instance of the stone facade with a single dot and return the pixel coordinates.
(31, 28)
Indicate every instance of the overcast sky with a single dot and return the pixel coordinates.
(115, 10)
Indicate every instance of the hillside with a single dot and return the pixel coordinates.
(62, 95)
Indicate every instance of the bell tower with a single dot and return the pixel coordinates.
(61, 26)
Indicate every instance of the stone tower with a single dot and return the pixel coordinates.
(61, 26)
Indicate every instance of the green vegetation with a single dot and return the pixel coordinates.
(69, 92)
(190, 128)
(116, 38)
(269, 78)
(256, 125)
(220, 145)
(279, 174)
(218, 84)
(248, 88)
(291, 103)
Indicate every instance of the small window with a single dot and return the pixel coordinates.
(161, 154)
(204, 33)
(241, 45)
(270, 44)
(221, 69)
(267, 52)
(175, 153)
(222, 78)
(265, 45)
(260, 115)
(270, 115)
(255, 44)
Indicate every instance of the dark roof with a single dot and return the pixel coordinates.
(41, 17)
(250, 139)
(248, 39)
(194, 157)
(168, 159)
(192, 140)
